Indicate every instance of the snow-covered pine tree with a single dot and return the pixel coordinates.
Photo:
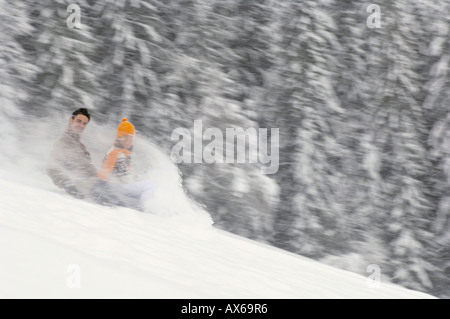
(63, 54)
(399, 135)
(15, 70)
(356, 82)
(131, 53)
(437, 114)
(215, 85)
(311, 216)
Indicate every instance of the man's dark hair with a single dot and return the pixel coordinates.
(82, 111)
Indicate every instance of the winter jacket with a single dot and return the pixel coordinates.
(116, 166)
(70, 165)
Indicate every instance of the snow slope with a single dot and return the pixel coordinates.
(55, 246)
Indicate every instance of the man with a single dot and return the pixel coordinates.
(70, 166)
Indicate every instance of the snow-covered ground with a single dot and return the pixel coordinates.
(55, 246)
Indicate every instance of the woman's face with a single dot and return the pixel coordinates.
(126, 140)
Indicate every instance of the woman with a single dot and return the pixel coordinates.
(117, 163)
(117, 186)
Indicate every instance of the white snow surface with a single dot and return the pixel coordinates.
(55, 246)
(47, 238)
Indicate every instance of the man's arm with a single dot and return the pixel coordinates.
(55, 169)
(58, 177)
(55, 164)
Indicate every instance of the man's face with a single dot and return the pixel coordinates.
(78, 123)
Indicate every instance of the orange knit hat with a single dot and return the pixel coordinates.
(125, 128)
